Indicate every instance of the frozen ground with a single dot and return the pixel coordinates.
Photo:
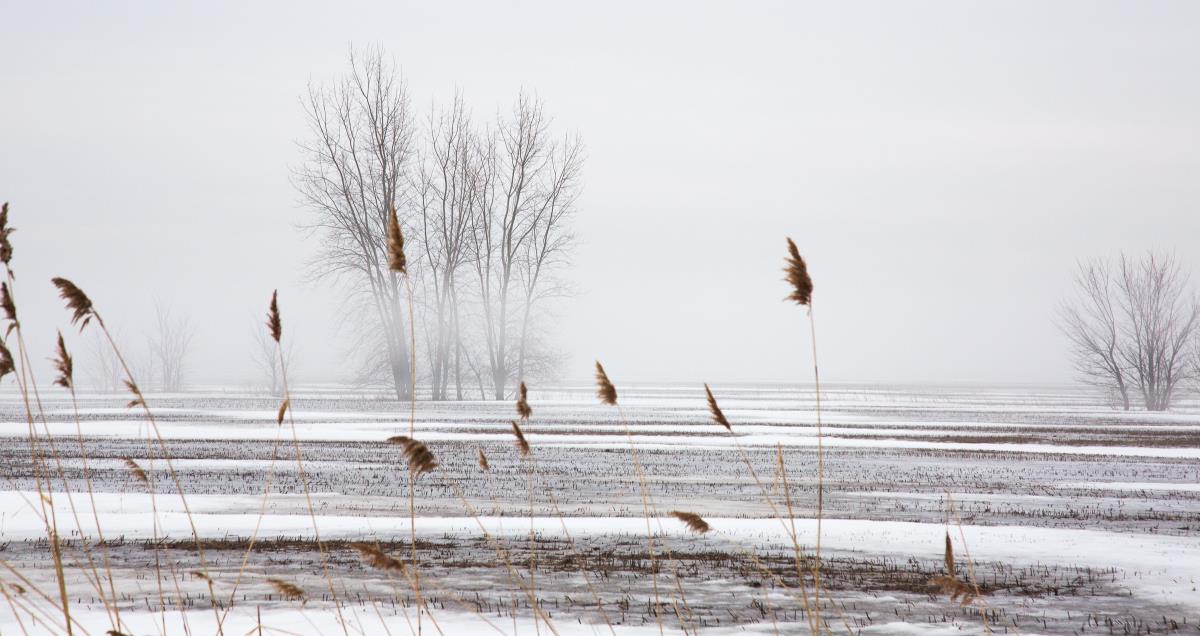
(1078, 518)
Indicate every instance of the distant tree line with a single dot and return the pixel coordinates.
(1134, 326)
(486, 211)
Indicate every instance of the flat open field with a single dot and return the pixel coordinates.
(1073, 517)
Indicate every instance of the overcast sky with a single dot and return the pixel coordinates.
(942, 166)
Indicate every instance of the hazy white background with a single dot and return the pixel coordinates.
(941, 164)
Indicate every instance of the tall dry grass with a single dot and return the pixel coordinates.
(420, 461)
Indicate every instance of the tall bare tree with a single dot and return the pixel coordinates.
(1132, 327)
(354, 172)
(528, 180)
(1162, 317)
(447, 193)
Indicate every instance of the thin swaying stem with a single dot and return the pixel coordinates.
(812, 325)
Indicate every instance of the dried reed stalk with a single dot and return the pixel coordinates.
(420, 459)
(64, 366)
(798, 278)
(136, 470)
(604, 388)
(289, 591)
(522, 444)
(715, 410)
(397, 262)
(523, 408)
(375, 557)
(693, 521)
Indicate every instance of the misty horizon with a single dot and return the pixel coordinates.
(941, 198)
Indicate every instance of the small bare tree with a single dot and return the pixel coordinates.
(1132, 328)
(169, 347)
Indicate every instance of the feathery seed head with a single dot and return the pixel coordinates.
(64, 365)
(692, 520)
(420, 460)
(396, 259)
(604, 388)
(273, 324)
(797, 276)
(77, 301)
(523, 408)
(715, 410)
(522, 444)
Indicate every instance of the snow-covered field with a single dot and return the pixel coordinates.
(1076, 518)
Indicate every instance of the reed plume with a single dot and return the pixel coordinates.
(5, 245)
(604, 388)
(949, 556)
(483, 462)
(523, 408)
(692, 520)
(522, 444)
(287, 590)
(202, 576)
(64, 366)
(10, 308)
(375, 557)
(77, 301)
(397, 262)
(273, 324)
(797, 276)
(7, 365)
(137, 471)
(137, 400)
(420, 460)
(283, 409)
(715, 410)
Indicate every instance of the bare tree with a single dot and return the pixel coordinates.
(1132, 327)
(354, 172)
(527, 179)
(1091, 322)
(169, 347)
(1161, 319)
(447, 193)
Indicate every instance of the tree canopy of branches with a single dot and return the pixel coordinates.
(486, 212)
(1133, 328)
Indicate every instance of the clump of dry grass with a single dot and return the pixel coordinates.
(273, 323)
(137, 471)
(77, 301)
(715, 410)
(289, 591)
(397, 262)
(797, 276)
(375, 557)
(693, 521)
(64, 366)
(420, 459)
(483, 461)
(604, 388)
(522, 443)
(523, 408)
